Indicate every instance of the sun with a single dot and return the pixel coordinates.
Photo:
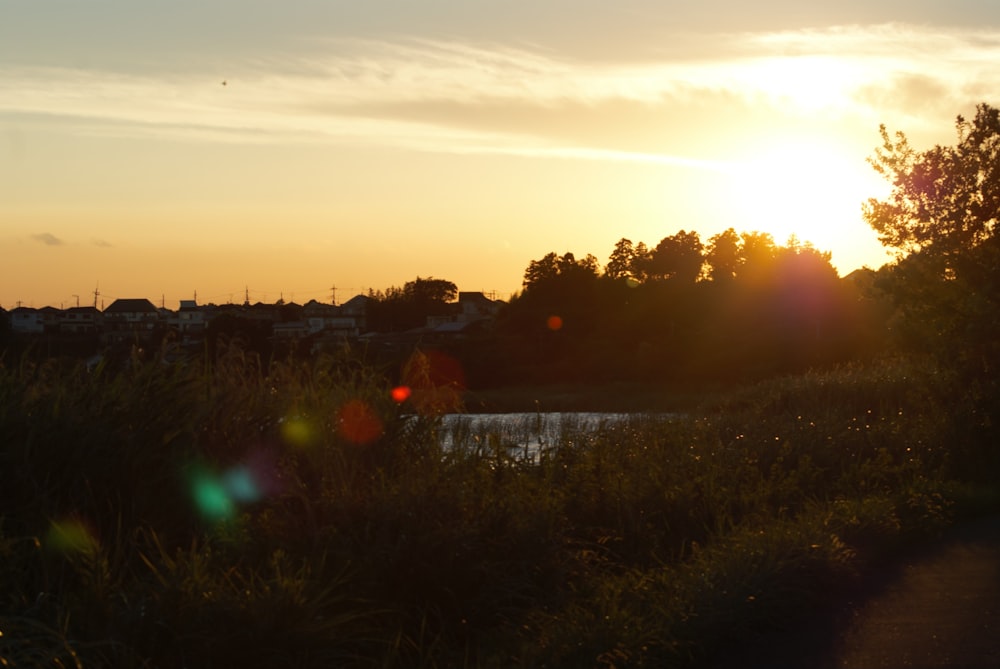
(809, 187)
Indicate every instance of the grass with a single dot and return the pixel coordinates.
(184, 515)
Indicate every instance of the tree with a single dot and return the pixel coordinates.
(565, 268)
(941, 219)
(723, 255)
(640, 262)
(408, 307)
(622, 258)
(757, 254)
(430, 291)
(539, 271)
(945, 201)
(678, 257)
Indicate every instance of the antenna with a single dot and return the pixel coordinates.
(333, 295)
(96, 293)
(246, 295)
(77, 300)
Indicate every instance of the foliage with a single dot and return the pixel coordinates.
(760, 309)
(399, 309)
(678, 257)
(293, 514)
(941, 217)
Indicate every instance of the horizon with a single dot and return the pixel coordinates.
(180, 147)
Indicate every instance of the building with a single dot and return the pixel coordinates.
(80, 321)
(129, 319)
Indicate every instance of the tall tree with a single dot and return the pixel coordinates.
(757, 254)
(723, 255)
(541, 270)
(620, 263)
(941, 218)
(678, 257)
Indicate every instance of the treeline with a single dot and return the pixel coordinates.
(739, 306)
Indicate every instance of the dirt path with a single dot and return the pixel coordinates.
(938, 608)
(941, 611)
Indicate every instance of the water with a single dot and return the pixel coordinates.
(529, 435)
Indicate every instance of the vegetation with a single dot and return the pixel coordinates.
(234, 511)
(758, 309)
(296, 516)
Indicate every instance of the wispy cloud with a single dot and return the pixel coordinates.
(456, 97)
(48, 239)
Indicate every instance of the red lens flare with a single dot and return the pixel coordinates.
(358, 423)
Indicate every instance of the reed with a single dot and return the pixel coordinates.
(294, 514)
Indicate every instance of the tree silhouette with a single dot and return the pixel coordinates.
(941, 219)
(406, 308)
(621, 260)
(723, 255)
(678, 257)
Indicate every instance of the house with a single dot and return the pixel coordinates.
(357, 308)
(27, 320)
(328, 318)
(189, 320)
(129, 318)
(476, 306)
(80, 321)
(471, 307)
(290, 330)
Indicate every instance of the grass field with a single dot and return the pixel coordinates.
(230, 515)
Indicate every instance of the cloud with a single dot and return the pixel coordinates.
(450, 96)
(48, 239)
(102, 243)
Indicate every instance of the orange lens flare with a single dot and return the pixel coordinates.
(400, 394)
(554, 323)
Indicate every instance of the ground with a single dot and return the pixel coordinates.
(935, 608)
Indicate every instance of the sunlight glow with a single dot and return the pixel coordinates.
(807, 187)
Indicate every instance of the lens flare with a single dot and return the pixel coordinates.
(437, 381)
(400, 394)
(297, 431)
(240, 485)
(70, 536)
(211, 497)
(554, 323)
(217, 497)
(358, 423)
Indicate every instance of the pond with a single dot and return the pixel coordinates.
(527, 435)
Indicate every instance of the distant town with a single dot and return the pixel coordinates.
(137, 320)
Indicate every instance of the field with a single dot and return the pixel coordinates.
(303, 514)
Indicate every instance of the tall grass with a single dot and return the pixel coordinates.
(236, 515)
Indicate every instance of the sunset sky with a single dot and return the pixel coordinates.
(154, 149)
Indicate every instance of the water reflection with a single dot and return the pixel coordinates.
(526, 436)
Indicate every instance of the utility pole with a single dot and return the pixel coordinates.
(77, 300)
(333, 295)
(96, 293)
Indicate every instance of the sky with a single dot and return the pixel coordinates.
(307, 149)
